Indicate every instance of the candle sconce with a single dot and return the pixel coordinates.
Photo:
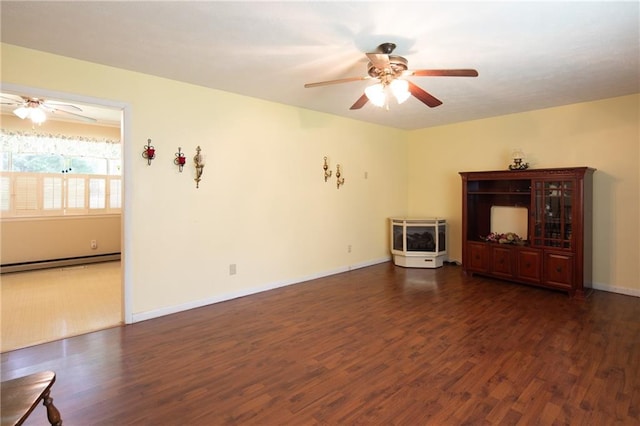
(340, 181)
(198, 159)
(180, 159)
(327, 172)
(149, 152)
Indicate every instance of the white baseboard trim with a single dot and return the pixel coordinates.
(619, 290)
(156, 313)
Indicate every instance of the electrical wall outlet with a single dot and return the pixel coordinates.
(94, 244)
(232, 269)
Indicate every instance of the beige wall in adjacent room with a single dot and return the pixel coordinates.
(604, 135)
(43, 239)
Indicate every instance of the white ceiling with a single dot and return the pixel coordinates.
(529, 55)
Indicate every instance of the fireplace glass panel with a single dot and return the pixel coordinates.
(398, 243)
(421, 238)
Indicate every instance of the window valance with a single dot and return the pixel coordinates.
(23, 142)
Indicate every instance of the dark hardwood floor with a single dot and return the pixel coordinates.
(378, 345)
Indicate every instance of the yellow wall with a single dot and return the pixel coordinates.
(263, 203)
(604, 135)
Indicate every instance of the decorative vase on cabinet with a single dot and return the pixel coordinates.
(419, 242)
(551, 208)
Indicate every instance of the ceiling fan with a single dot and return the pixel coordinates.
(36, 109)
(390, 71)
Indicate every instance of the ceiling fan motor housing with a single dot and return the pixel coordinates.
(386, 48)
(397, 65)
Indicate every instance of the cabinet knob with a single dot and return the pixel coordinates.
(527, 265)
(558, 269)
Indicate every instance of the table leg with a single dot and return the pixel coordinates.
(52, 412)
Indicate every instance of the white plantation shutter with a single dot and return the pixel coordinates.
(115, 194)
(97, 193)
(26, 194)
(5, 193)
(39, 194)
(52, 193)
(75, 193)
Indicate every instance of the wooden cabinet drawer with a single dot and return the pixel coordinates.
(558, 269)
(478, 257)
(529, 265)
(502, 261)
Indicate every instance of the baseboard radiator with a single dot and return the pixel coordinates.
(58, 263)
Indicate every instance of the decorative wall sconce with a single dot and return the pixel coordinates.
(518, 155)
(180, 159)
(198, 159)
(149, 152)
(340, 181)
(327, 172)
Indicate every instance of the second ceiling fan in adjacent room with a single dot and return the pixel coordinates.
(36, 109)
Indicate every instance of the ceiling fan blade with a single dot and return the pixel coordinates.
(360, 102)
(340, 80)
(81, 117)
(423, 96)
(379, 60)
(11, 101)
(53, 104)
(442, 73)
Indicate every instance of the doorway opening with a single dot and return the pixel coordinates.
(60, 284)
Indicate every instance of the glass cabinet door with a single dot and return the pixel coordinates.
(553, 213)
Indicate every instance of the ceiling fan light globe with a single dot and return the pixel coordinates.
(38, 116)
(21, 112)
(400, 90)
(376, 94)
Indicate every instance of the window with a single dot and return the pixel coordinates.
(44, 175)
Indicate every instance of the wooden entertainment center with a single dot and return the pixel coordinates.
(556, 250)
